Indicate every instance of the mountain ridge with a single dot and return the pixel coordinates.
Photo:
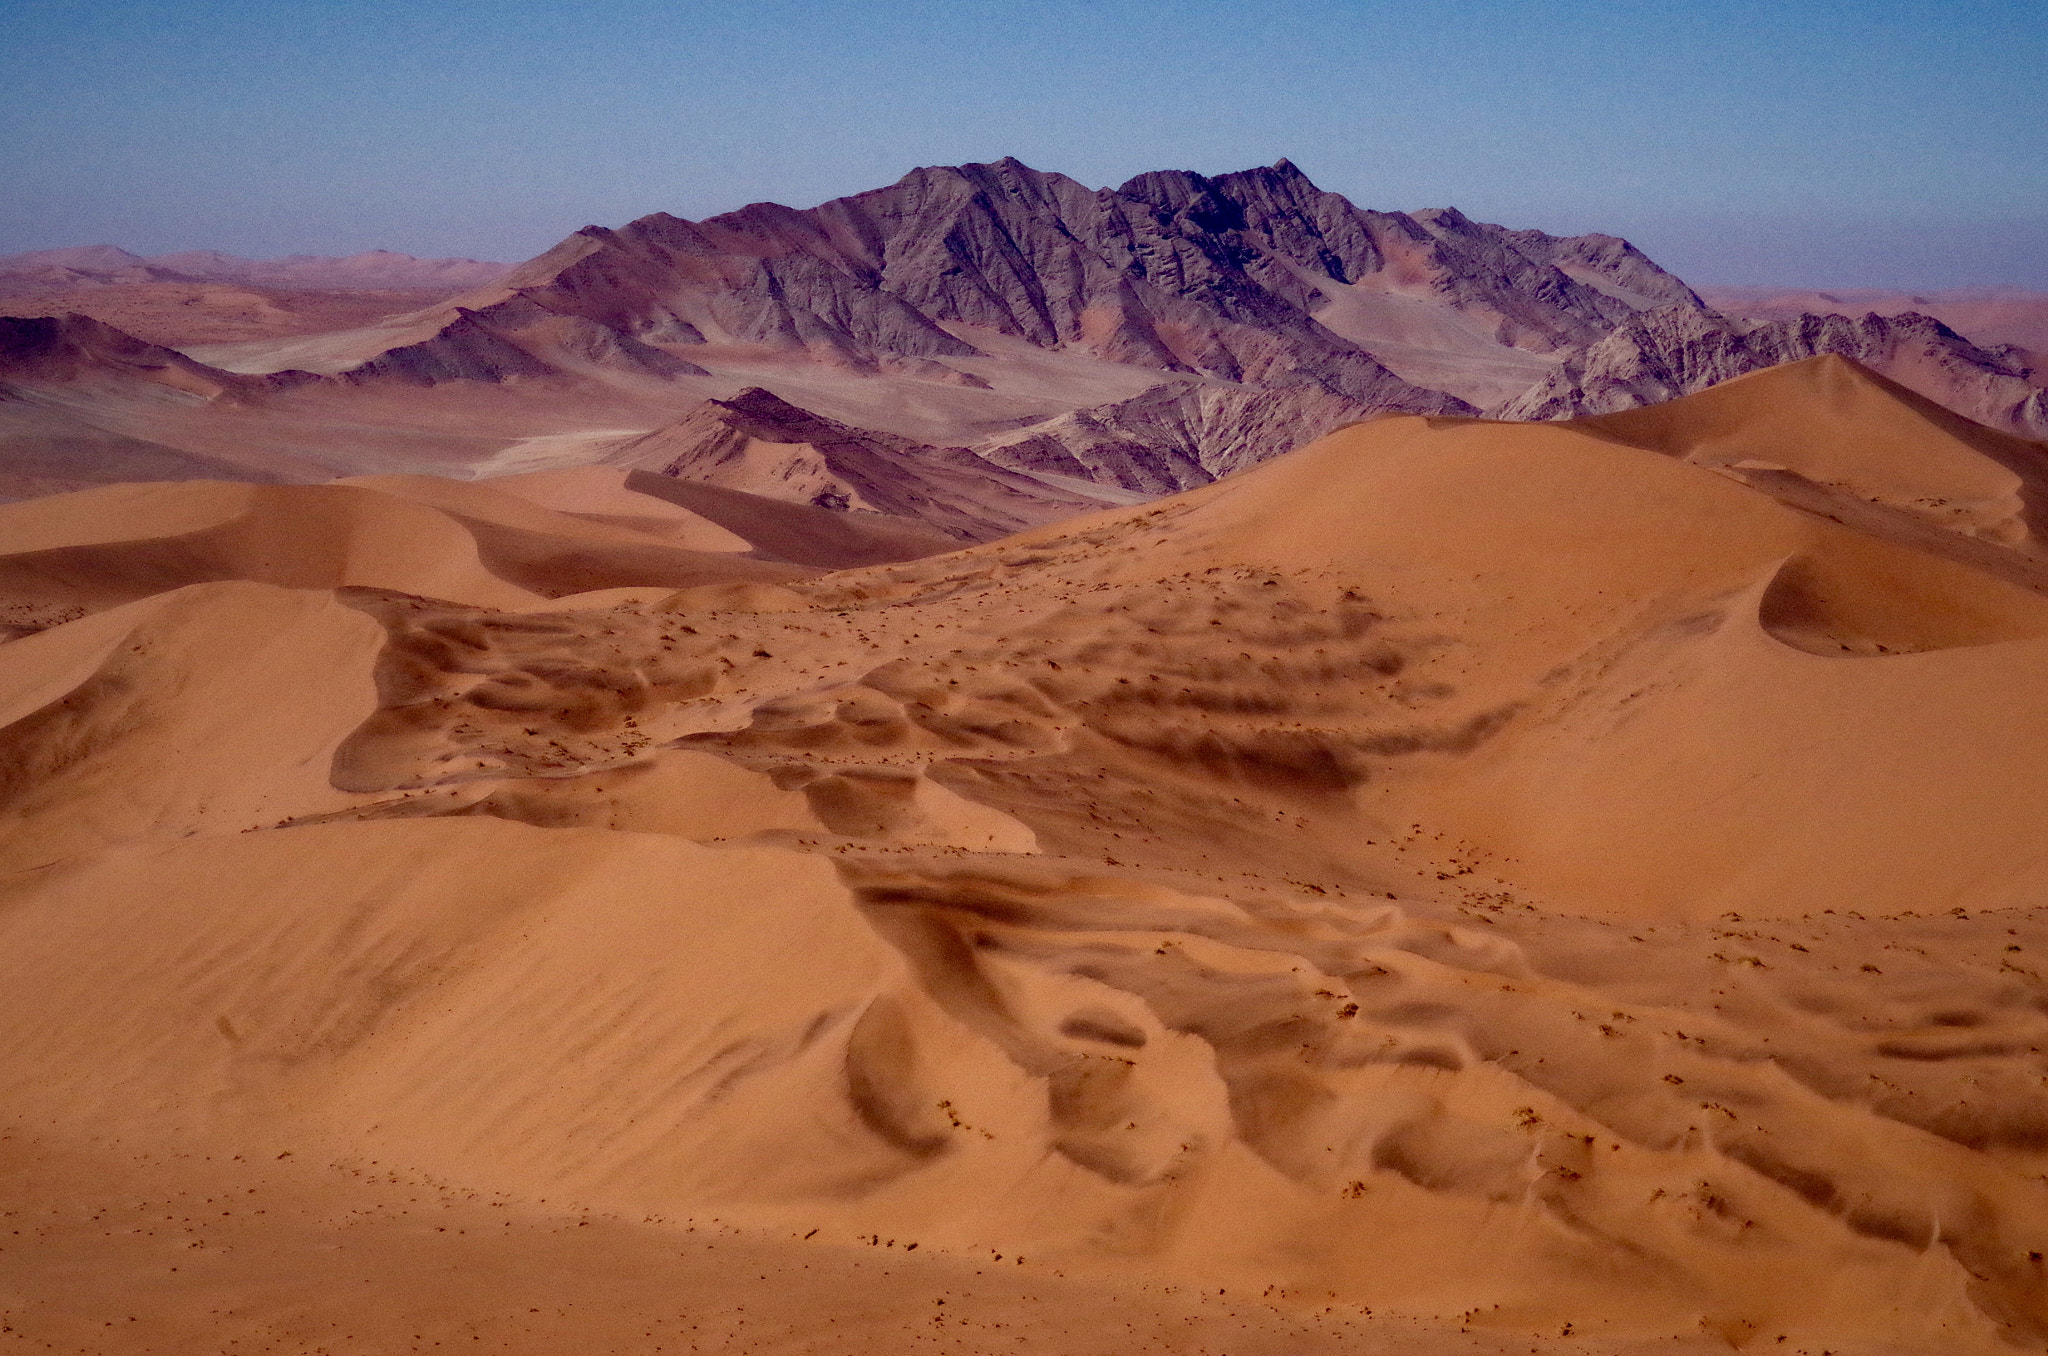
(1146, 337)
(377, 268)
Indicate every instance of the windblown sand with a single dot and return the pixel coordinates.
(1461, 887)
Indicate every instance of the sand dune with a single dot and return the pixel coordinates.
(74, 554)
(1843, 427)
(1463, 886)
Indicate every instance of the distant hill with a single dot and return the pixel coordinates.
(371, 269)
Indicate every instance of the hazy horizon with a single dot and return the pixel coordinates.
(1799, 144)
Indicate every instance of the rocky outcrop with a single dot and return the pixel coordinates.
(1672, 351)
(1218, 278)
(902, 272)
(1215, 277)
(1996, 319)
(84, 403)
(69, 350)
(763, 445)
(1175, 436)
(51, 351)
(540, 344)
(1293, 233)
(1609, 265)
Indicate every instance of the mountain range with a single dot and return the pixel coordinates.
(1105, 342)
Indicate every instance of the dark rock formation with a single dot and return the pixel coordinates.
(1176, 436)
(473, 347)
(1209, 277)
(1672, 351)
(73, 349)
(1609, 265)
(763, 445)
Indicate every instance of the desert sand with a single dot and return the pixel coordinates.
(1462, 886)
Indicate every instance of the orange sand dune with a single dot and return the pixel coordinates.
(1463, 886)
(1844, 427)
(72, 554)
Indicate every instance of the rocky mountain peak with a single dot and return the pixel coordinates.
(1134, 334)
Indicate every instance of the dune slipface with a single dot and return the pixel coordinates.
(1462, 886)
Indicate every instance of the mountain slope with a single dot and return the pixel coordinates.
(1175, 436)
(1221, 277)
(1150, 336)
(1673, 351)
(764, 445)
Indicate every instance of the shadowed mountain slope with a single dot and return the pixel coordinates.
(764, 445)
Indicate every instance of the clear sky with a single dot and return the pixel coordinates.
(1835, 144)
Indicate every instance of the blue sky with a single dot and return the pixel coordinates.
(1876, 143)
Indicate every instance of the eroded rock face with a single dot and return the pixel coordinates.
(1210, 277)
(1176, 435)
(73, 348)
(1671, 351)
(761, 444)
(999, 247)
